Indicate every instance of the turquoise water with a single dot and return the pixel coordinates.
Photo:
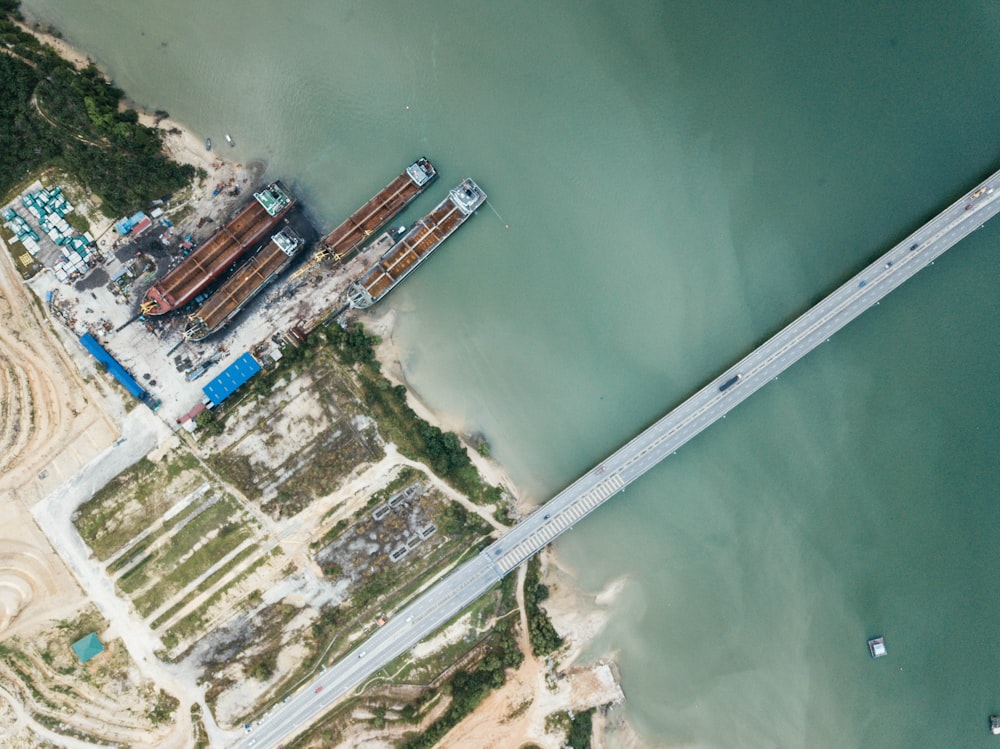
(679, 180)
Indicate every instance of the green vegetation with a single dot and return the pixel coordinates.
(468, 688)
(581, 729)
(133, 501)
(206, 584)
(201, 740)
(543, 636)
(54, 115)
(163, 709)
(416, 438)
(191, 551)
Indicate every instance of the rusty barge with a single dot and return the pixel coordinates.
(244, 285)
(380, 210)
(219, 252)
(416, 245)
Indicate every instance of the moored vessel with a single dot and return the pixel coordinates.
(416, 245)
(380, 209)
(876, 646)
(219, 252)
(244, 285)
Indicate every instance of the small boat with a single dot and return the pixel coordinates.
(208, 144)
(229, 140)
(995, 725)
(876, 646)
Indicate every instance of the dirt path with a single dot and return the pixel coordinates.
(11, 735)
(52, 425)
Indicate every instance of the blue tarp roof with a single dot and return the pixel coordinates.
(87, 647)
(231, 378)
(117, 370)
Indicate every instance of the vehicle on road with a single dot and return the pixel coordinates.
(730, 382)
(319, 689)
(913, 247)
(362, 654)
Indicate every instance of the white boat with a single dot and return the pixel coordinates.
(229, 140)
(995, 725)
(876, 646)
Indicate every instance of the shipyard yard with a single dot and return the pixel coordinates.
(108, 301)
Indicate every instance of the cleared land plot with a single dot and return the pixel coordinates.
(135, 500)
(295, 442)
(186, 554)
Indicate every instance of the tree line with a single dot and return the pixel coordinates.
(54, 115)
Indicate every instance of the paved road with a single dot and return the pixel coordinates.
(474, 578)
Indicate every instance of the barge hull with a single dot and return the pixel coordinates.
(381, 209)
(244, 285)
(219, 252)
(416, 245)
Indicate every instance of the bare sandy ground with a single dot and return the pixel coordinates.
(516, 713)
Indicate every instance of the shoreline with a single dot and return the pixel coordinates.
(577, 615)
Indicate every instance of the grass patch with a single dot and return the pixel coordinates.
(193, 622)
(123, 507)
(206, 584)
(541, 632)
(229, 537)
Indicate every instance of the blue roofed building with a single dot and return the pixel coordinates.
(231, 379)
(117, 370)
(88, 647)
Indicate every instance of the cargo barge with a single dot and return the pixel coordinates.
(244, 285)
(414, 247)
(380, 210)
(219, 252)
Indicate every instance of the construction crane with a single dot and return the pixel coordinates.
(315, 260)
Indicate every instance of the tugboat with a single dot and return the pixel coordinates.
(208, 144)
(995, 725)
(876, 646)
(229, 140)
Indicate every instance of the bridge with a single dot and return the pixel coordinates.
(447, 598)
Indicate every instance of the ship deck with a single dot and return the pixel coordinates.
(377, 212)
(425, 236)
(241, 286)
(217, 253)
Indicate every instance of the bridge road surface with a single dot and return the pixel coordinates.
(447, 598)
